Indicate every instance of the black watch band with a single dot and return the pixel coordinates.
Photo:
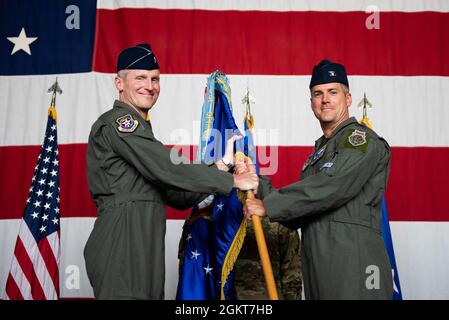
(229, 165)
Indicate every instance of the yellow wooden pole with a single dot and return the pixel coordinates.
(264, 256)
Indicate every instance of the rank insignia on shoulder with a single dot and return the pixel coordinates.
(127, 123)
(357, 138)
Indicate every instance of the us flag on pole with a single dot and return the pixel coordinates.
(34, 273)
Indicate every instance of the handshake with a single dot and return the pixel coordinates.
(245, 177)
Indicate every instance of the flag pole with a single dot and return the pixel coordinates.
(263, 253)
(258, 230)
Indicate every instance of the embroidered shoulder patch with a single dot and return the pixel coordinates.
(357, 139)
(127, 123)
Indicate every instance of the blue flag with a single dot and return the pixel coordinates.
(216, 234)
(47, 36)
(386, 234)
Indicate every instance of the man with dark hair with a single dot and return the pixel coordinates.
(131, 178)
(338, 201)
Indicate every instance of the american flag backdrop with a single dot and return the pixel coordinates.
(34, 272)
(395, 51)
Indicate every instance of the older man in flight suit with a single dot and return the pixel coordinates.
(131, 178)
(337, 202)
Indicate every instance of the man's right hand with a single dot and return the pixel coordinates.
(254, 207)
(248, 180)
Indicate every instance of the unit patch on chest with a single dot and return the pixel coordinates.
(314, 157)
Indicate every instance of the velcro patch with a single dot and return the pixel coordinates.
(127, 123)
(327, 165)
(357, 139)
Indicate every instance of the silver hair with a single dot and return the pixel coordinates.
(122, 74)
(345, 88)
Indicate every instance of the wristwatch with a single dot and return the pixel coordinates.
(227, 164)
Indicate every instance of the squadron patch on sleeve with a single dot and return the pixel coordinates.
(127, 123)
(357, 139)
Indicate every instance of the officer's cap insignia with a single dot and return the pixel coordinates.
(127, 123)
(357, 138)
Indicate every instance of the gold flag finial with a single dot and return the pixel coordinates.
(365, 104)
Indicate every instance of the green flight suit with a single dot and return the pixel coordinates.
(337, 204)
(131, 178)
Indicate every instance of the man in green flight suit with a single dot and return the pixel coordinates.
(131, 178)
(337, 202)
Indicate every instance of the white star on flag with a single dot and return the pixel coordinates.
(22, 42)
(208, 270)
(220, 206)
(195, 254)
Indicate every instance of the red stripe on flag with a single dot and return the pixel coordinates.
(28, 270)
(12, 290)
(50, 262)
(75, 198)
(417, 188)
(276, 43)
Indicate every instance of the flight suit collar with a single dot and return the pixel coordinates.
(340, 127)
(122, 105)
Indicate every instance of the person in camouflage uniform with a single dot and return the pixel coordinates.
(283, 248)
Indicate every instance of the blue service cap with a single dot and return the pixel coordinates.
(326, 72)
(138, 57)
